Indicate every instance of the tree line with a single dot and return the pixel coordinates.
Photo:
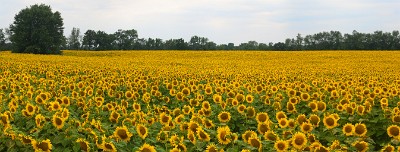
(129, 40)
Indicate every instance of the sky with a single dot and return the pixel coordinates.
(221, 21)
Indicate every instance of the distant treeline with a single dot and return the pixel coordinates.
(129, 40)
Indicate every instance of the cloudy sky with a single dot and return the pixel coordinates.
(222, 21)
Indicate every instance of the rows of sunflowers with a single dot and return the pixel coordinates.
(200, 101)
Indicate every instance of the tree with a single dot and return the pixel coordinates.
(89, 40)
(2, 40)
(74, 40)
(37, 30)
(125, 39)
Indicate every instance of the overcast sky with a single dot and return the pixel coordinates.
(222, 21)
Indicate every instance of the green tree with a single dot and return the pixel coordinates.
(2, 40)
(74, 39)
(37, 30)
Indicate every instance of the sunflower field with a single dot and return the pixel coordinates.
(178, 101)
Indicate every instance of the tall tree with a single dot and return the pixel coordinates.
(89, 40)
(2, 40)
(74, 40)
(38, 30)
(125, 39)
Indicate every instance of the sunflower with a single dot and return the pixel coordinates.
(44, 145)
(249, 98)
(330, 122)
(39, 119)
(25, 139)
(301, 119)
(314, 119)
(262, 117)
(114, 116)
(136, 106)
(181, 147)
(223, 135)
(291, 123)
(241, 108)
(174, 150)
(30, 109)
(306, 127)
(208, 90)
(65, 101)
(361, 146)
(211, 148)
(208, 123)
(280, 115)
(348, 129)
(164, 118)
(122, 133)
(290, 107)
(393, 131)
(83, 144)
(270, 135)
(250, 112)
(281, 145)
(224, 117)
(247, 134)
(305, 96)
(58, 122)
(360, 129)
(283, 123)
(142, 131)
(299, 140)
(191, 137)
(187, 109)
(255, 142)
(202, 135)
(321, 106)
(262, 127)
(388, 148)
(313, 105)
(240, 97)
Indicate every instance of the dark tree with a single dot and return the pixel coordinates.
(2, 40)
(37, 30)
(89, 40)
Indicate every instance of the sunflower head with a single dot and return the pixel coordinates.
(223, 135)
(281, 145)
(361, 146)
(360, 129)
(122, 133)
(348, 129)
(44, 145)
(299, 140)
(142, 131)
(393, 131)
(224, 117)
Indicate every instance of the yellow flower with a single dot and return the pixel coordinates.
(58, 122)
(348, 129)
(299, 140)
(360, 129)
(281, 145)
(224, 117)
(262, 117)
(361, 146)
(330, 122)
(122, 133)
(44, 145)
(83, 144)
(142, 131)
(147, 148)
(394, 131)
(223, 135)
(203, 135)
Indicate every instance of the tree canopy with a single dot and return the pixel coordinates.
(37, 30)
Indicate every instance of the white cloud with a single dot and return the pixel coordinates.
(222, 21)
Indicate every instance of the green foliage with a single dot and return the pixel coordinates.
(37, 30)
